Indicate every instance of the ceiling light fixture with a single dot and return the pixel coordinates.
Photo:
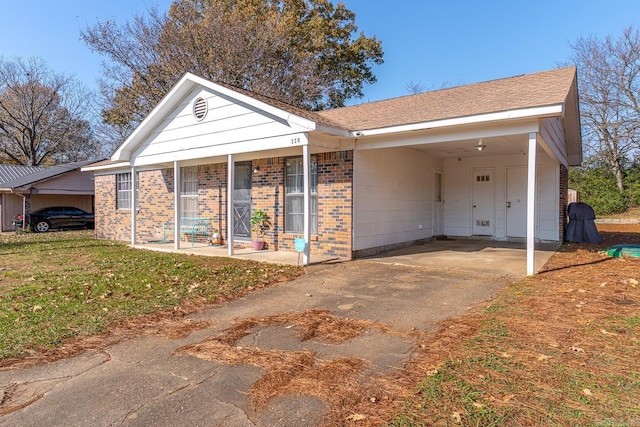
(480, 145)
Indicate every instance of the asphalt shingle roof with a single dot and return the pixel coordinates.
(525, 91)
(44, 173)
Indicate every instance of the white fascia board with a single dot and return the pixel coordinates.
(249, 146)
(334, 131)
(111, 166)
(539, 112)
(448, 135)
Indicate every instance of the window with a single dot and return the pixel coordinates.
(189, 192)
(123, 191)
(294, 195)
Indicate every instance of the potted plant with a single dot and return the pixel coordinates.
(259, 223)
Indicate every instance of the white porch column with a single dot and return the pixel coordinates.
(531, 204)
(176, 204)
(134, 201)
(306, 162)
(230, 214)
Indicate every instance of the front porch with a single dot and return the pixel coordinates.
(243, 252)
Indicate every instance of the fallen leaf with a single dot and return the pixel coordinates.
(543, 358)
(607, 332)
(457, 416)
(576, 349)
(582, 291)
(587, 392)
(478, 405)
(633, 282)
(357, 417)
(505, 355)
(508, 397)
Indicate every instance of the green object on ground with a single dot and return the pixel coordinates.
(623, 250)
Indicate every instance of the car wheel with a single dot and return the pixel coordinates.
(41, 226)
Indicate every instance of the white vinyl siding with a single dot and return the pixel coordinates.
(294, 197)
(189, 192)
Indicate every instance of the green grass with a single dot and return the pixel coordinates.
(55, 286)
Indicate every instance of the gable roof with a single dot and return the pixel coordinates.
(43, 174)
(12, 172)
(305, 118)
(543, 94)
(514, 93)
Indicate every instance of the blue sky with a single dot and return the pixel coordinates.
(427, 42)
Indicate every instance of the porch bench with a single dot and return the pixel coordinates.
(188, 225)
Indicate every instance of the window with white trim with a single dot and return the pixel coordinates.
(189, 191)
(294, 195)
(123, 191)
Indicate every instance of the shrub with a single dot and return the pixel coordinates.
(597, 188)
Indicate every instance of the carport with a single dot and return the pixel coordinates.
(484, 161)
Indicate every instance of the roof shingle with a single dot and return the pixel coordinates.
(525, 91)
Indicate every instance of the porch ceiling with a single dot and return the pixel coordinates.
(493, 146)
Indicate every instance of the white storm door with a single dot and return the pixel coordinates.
(438, 208)
(483, 213)
(517, 202)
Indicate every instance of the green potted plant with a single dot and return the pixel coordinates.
(259, 223)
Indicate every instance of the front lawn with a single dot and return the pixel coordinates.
(55, 286)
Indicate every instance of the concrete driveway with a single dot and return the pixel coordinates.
(152, 380)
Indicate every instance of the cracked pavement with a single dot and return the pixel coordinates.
(144, 381)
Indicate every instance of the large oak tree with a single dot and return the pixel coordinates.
(303, 52)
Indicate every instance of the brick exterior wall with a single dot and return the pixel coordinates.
(111, 223)
(335, 201)
(564, 199)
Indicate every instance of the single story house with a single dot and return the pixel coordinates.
(27, 188)
(487, 160)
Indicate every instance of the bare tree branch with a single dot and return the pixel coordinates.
(42, 115)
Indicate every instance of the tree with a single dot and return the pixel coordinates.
(303, 52)
(41, 115)
(609, 82)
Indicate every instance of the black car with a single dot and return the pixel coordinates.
(56, 217)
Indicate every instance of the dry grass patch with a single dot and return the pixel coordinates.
(559, 348)
(339, 383)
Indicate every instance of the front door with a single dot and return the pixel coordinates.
(438, 209)
(242, 201)
(517, 202)
(483, 202)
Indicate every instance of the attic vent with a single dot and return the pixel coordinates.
(200, 109)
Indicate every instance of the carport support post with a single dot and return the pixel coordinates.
(133, 205)
(230, 214)
(531, 204)
(306, 164)
(176, 204)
